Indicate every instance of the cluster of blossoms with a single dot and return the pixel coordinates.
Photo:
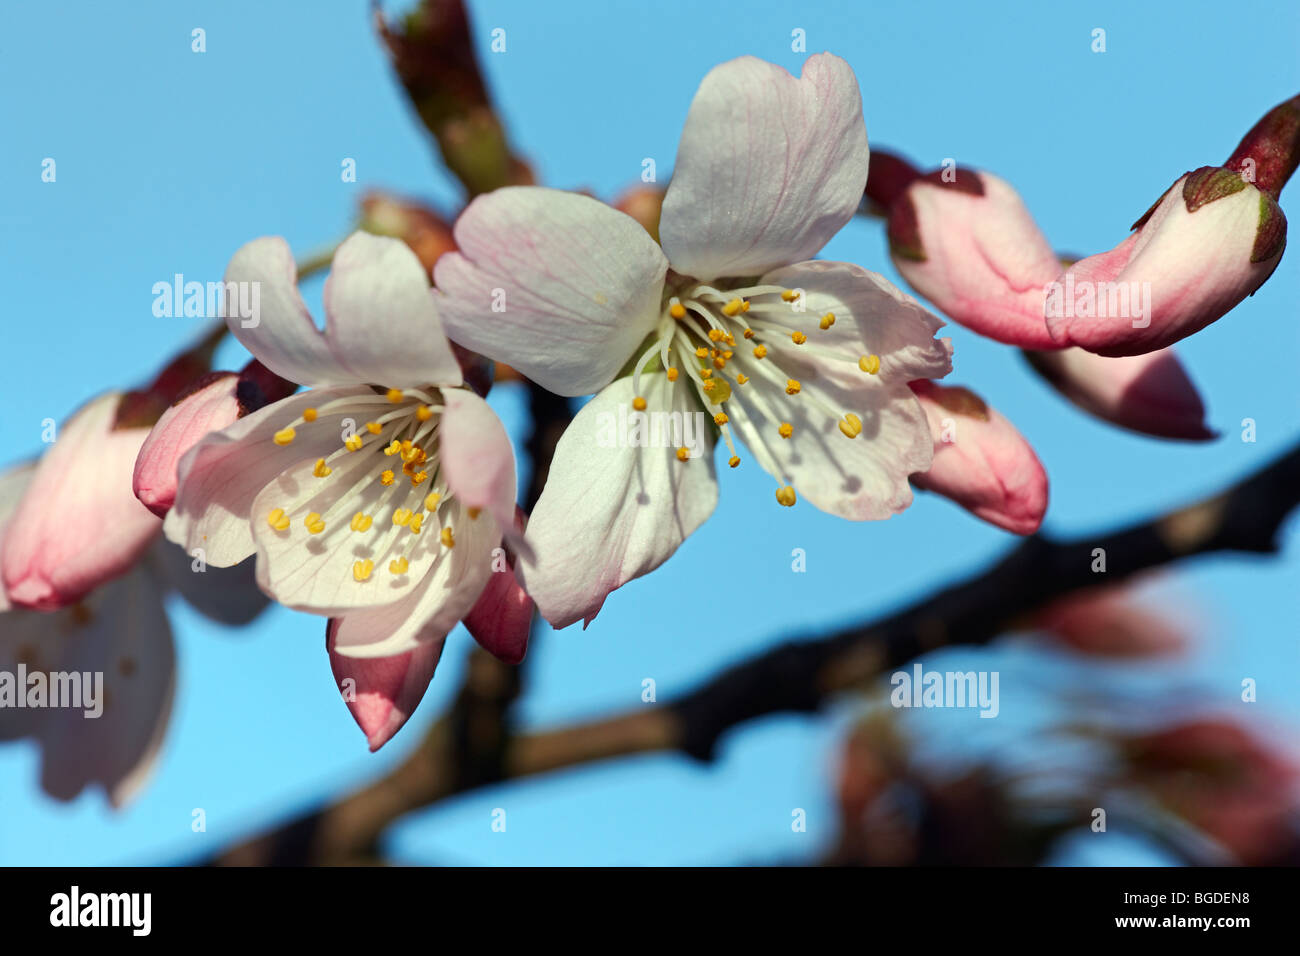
(382, 495)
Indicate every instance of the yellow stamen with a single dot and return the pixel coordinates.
(395, 395)
(706, 372)
(416, 523)
(401, 517)
(309, 414)
(851, 425)
(677, 310)
(374, 427)
(638, 403)
(707, 385)
(314, 523)
(393, 448)
(284, 436)
(278, 520)
(353, 443)
(789, 295)
(744, 306)
(786, 496)
(827, 320)
(431, 501)
(321, 469)
(361, 521)
(361, 570)
(742, 378)
(683, 453)
(447, 538)
(399, 566)
(749, 333)
(786, 430)
(720, 418)
(701, 352)
(732, 307)
(387, 477)
(792, 386)
(798, 338)
(734, 461)
(672, 375)
(869, 364)
(715, 335)
(424, 413)
(760, 351)
(419, 477)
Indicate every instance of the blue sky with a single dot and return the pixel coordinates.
(167, 161)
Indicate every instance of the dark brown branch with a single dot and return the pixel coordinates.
(471, 746)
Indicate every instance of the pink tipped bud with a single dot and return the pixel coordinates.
(1150, 393)
(503, 616)
(980, 461)
(971, 247)
(1208, 243)
(78, 524)
(382, 692)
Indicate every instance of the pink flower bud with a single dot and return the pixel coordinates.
(503, 616)
(980, 461)
(1150, 393)
(382, 692)
(971, 247)
(78, 523)
(1113, 622)
(1208, 243)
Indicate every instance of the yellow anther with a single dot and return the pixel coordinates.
(309, 414)
(707, 385)
(672, 375)
(792, 387)
(719, 362)
(727, 354)
(742, 378)
(786, 496)
(278, 520)
(416, 523)
(827, 320)
(284, 436)
(399, 566)
(361, 521)
(424, 413)
(733, 307)
(314, 523)
(407, 444)
(786, 430)
(353, 443)
(677, 310)
(419, 478)
(789, 295)
(395, 395)
(393, 447)
(749, 333)
(721, 418)
(706, 372)
(715, 335)
(638, 403)
(851, 425)
(474, 513)
(760, 351)
(744, 306)
(733, 461)
(447, 537)
(361, 570)
(729, 339)
(401, 517)
(431, 501)
(374, 427)
(387, 477)
(798, 338)
(683, 453)
(321, 469)
(869, 364)
(701, 352)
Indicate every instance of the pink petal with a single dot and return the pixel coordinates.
(980, 461)
(769, 168)
(475, 455)
(503, 617)
(381, 324)
(560, 286)
(385, 690)
(78, 524)
(1150, 393)
(972, 248)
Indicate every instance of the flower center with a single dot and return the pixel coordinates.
(398, 474)
(715, 332)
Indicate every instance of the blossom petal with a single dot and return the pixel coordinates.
(207, 409)
(78, 524)
(443, 597)
(475, 455)
(769, 168)
(384, 691)
(560, 286)
(381, 324)
(861, 478)
(502, 619)
(608, 513)
(219, 478)
(13, 484)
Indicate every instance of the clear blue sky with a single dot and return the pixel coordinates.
(169, 160)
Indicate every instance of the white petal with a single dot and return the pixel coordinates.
(609, 514)
(769, 167)
(560, 286)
